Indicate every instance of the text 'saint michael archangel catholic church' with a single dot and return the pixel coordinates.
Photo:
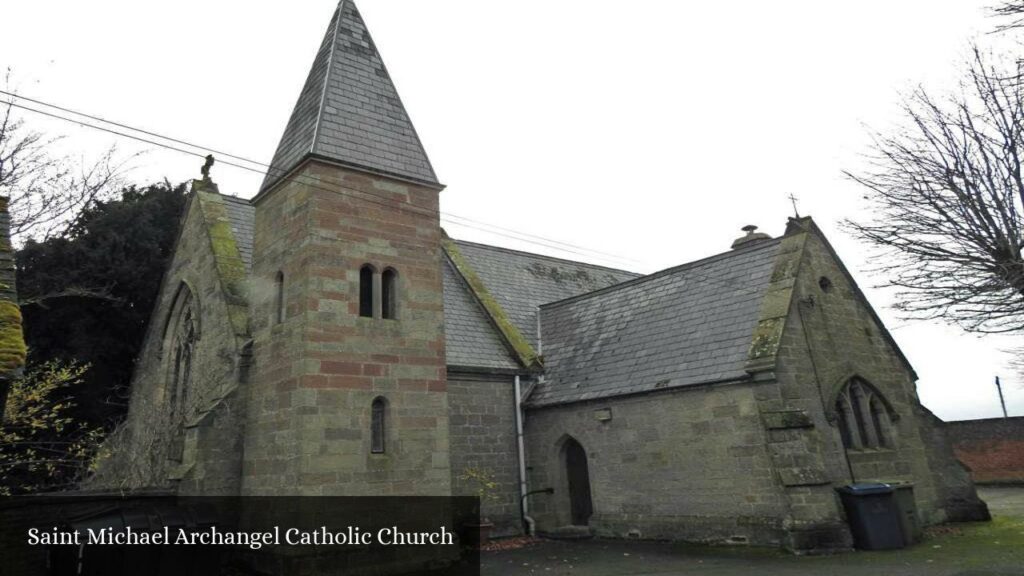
(328, 338)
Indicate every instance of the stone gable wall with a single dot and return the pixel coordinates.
(209, 466)
(831, 336)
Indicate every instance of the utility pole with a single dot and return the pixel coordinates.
(1002, 401)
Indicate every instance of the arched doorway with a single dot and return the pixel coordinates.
(578, 476)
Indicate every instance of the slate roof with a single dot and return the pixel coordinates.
(521, 281)
(349, 111)
(242, 215)
(605, 332)
(470, 338)
(686, 325)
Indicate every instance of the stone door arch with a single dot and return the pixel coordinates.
(577, 475)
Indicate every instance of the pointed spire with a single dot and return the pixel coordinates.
(349, 111)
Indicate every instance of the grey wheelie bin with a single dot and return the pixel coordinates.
(873, 515)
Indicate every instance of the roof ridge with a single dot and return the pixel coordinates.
(545, 256)
(666, 272)
(231, 197)
(235, 199)
(336, 19)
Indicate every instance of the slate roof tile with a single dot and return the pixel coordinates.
(242, 216)
(605, 331)
(521, 281)
(349, 111)
(686, 325)
(470, 338)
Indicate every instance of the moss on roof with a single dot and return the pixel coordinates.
(228, 258)
(513, 337)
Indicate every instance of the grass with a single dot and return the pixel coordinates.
(999, 543)
(970, 545)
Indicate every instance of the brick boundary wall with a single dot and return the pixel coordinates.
(993, 448)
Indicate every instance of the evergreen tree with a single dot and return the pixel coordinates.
(87, 295)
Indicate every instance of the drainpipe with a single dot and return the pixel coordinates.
(522, 459)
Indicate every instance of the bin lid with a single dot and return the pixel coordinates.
(866, 488)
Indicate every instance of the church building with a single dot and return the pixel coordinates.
(327, 337)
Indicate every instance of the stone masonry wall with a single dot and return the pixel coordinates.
(993, 448)
(686, 464)
(830, 337)
(206, 467)
(483, 437)
(316, 374)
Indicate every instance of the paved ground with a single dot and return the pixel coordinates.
(981, 549)
(1006, 501)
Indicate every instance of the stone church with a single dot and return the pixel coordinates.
(327, 337)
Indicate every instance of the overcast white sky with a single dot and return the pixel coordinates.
(648, 129)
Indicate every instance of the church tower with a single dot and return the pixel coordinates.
(348, 392)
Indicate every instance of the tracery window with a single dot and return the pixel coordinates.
(865, 421)
(181, 336)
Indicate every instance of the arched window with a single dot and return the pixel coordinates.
(389, 294)
(180, 335)
(378, 412)
(184, 342)
(366, 274)
(864, 418)
(279, 298)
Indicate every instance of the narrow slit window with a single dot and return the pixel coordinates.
(279, 298)
(377, 425)
(366, 291)
(389, 294)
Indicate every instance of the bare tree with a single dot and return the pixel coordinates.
(1013, 13)
(47, 191)
(947, 197)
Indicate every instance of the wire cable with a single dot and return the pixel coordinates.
(451, 218)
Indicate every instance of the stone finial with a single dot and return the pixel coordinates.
(206, 167)
(751, 236)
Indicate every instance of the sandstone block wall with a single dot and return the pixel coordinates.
(831, 337)
(215, 365)
(317, 373)
(483, 437)
(685, 464)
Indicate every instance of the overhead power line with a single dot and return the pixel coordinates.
(726, 281)
(266, 168)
